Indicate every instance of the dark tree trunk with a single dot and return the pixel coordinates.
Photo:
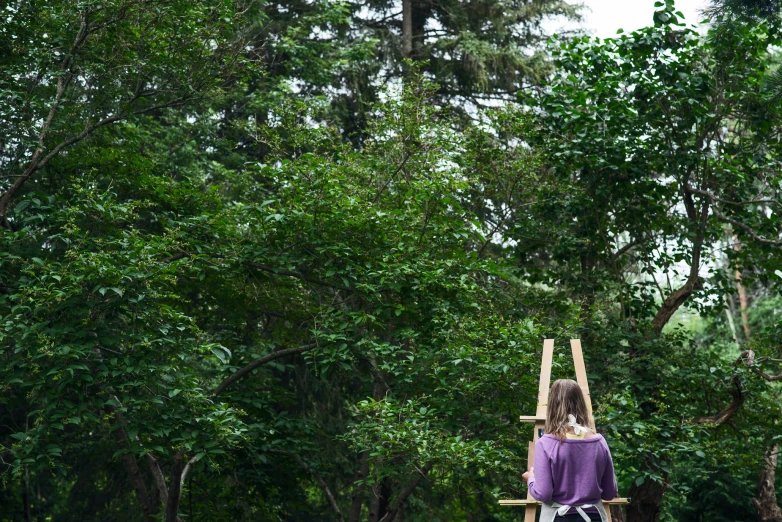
(404, 493)
(381, 493)
(26, 495)
(420, 11)
(381, 497)
(407, 28)
(617, 515)
(358, 496)
(148, 507)
(174, 489)
(645, 501)
(374, 506)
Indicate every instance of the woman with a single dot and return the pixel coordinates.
(573, 469)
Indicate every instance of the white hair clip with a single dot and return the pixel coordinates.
(577, 428)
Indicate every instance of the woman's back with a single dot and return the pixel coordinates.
(573, 471)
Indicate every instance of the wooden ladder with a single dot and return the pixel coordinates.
(540, 420)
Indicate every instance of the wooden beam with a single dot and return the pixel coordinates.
(545, 377)
(527, 502)
(581, 374)
(530, 463)
(539, 419)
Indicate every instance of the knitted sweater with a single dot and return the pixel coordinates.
(573, 471)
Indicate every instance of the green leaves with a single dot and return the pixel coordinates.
(222, 353)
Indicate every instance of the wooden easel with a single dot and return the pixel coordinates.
(540, 419)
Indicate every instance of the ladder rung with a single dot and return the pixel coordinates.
(531, 418)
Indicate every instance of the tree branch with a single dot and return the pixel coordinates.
(694, 282)
(747, 357)
(62, 85)
(728, 411)
(616, 255)
(37, 164)
(290, 273)
(400, 499)
(185, 472)
(749, 230)
(716, 198)
(260, 362)
(767, 376)
(149, 508)
(157, 474)
(723, 217)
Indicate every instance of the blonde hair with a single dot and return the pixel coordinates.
(566, 398)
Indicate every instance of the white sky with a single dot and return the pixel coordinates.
(603, 17)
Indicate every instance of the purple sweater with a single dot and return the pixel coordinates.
(573, 471)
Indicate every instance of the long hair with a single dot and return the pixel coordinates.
(566, 398)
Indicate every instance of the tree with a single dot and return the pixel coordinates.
(662, 139)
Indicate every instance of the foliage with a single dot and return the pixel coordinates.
(237, 260)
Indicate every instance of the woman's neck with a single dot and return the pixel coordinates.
(589, 433)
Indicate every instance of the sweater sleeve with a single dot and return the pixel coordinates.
(608, 481)
(542, 487)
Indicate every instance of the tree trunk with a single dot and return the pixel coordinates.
(420, 10)
(617, 515)
(407, 28)
(645, 501)
(374, 506)
(381, 498)
(357, 497)
(743, 302)
(401, 498)
(148, 508)
(26, 495)
(381, 493)
(742, 292)
(766, 501)
(174, 489)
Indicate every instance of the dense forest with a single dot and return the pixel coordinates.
(294, 260)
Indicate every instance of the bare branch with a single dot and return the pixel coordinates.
(148, 506)
(746, 358)
(357, 496)
(175, 257)
(392, 176)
